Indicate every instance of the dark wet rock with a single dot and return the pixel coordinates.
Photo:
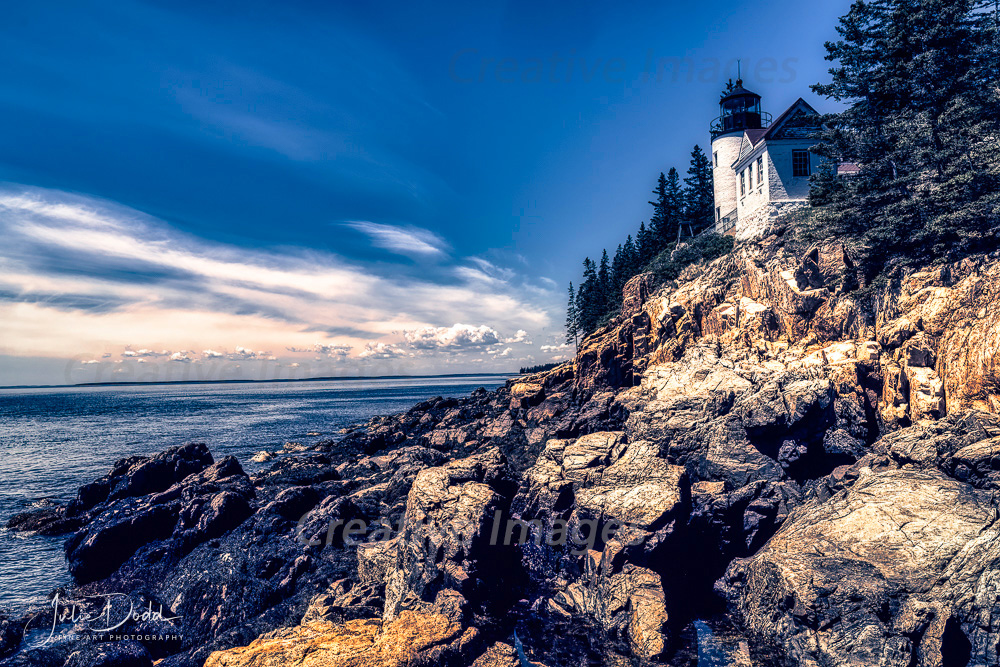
(110, 654)
(109, 540)
(202, 504)
(142, 475)
(50, 519)
(10, 636)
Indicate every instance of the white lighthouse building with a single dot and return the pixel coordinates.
(760, 168)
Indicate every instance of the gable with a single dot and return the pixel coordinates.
(799, 121)
(751, 141)
(746, 147)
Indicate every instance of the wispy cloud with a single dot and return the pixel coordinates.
(408, 241)
(143, 291)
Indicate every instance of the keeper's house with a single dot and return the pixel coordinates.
(761, 168)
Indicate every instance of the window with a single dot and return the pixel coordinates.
(760, 170)
(743, 183)
(750, 179)
(800, 163)
(718, 213)
(715, 159)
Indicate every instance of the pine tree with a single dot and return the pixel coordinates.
(644, 244)
(618, 269)
(661, 221)
(590, 304)
(674, 202)
(572, 319)
(630, 259)
(920, 79)
(604, 277)
(699, 197)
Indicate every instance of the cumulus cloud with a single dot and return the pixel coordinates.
(401, 240)
(144, 353)
(554, 348)
(245, 354)
(455, 336)
(212, 354)
(181, 357)
(330, 350)
(382, 351)
(520, 337)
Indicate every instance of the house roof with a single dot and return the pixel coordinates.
(786, 114)
(756, 135)
(754, 139)
(848, 168)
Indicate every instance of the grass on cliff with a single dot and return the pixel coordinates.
(667, 265)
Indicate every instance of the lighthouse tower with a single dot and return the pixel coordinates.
(739, 110)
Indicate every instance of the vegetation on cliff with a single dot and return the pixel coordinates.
(922, 82)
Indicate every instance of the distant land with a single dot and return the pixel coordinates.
(315, 379)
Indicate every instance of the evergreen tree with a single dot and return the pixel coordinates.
(644, 244)
(572, 319)
(604, 278)
(660, 223)
(630, 259)
(590, 304)
(619, 269)
(674, 203)
(920, 79)
(699, 196)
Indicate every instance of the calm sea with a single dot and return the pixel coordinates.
(54, 440)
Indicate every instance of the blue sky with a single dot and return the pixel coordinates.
(343, 188)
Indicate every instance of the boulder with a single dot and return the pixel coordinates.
(898, 570)
(142, 475)
(410, 640)
(445, 541)
(47, 520)
(110, 654)
(629, 603)
(201, 505)
(502, 655)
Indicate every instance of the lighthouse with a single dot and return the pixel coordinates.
(739, 111)
(760, 169)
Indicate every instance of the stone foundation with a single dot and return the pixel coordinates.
(756, 224)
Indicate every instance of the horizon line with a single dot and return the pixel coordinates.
(327, 378)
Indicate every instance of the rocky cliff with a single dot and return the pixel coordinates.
(812, 464)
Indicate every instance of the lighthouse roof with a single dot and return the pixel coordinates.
(738, 91)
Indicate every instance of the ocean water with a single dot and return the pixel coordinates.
(52, 441)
